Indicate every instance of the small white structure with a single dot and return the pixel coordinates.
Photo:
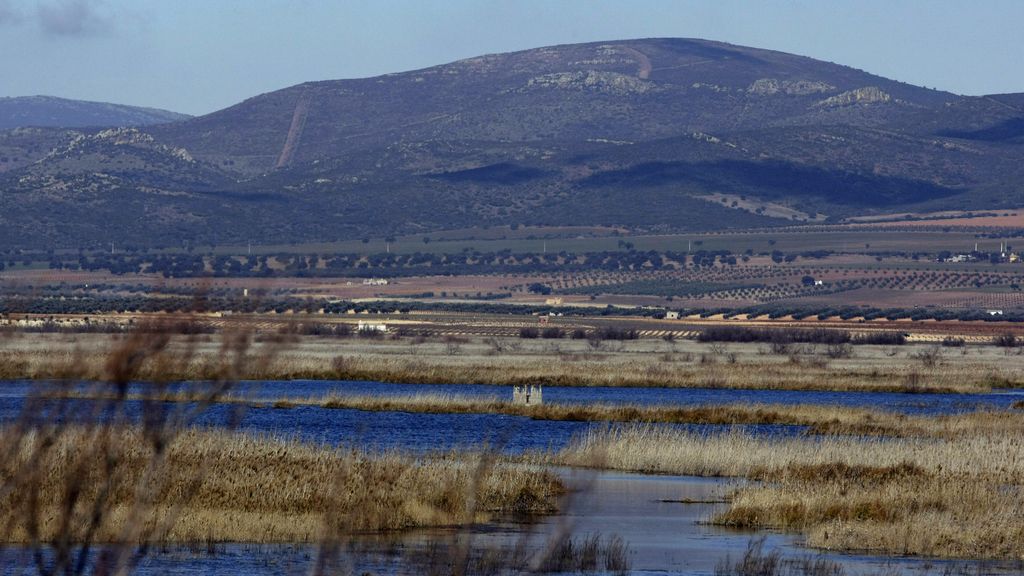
(671, 315)
(375, 282)
(819, 282)
(994, 312)
(371, 327)
(528, 395)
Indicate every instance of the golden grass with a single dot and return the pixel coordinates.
(821, 419)
(136, 478)
(563, 364)
(960, 496)
(630, 371)
(220, 486)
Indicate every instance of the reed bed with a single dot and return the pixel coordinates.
(94, 487)
(821, 419)
(219, 486)
(957, 496)
(318, 359)
(632, 371)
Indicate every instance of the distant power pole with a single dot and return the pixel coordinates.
(250, 247)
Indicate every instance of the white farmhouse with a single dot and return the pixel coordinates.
(364, 326)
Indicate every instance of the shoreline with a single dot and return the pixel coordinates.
(819, 419)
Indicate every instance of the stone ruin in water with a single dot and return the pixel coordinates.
(528, 395)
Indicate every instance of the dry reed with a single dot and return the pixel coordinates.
(222, 486)
(960, 496)
(121, 474)
(431, 363)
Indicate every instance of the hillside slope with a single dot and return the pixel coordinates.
(656, 134)
(52, 112)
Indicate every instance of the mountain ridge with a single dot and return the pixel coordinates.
(631, 133)
(42, 111)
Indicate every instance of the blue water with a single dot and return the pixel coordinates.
(897, 402)
(370, 430)
(511, 434)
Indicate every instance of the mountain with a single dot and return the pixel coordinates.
(48, 111)
(654, 135)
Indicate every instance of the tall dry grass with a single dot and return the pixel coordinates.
(60, 460)
(960, 496)
(91, 487)
(564, 364)
(221, 486)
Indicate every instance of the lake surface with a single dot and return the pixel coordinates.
(418, 432)
(905, 403)
(511, 434)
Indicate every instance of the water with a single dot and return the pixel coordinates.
(897, 402)
(510, 434)
(418, 432)
(926, 404)
(665, 536)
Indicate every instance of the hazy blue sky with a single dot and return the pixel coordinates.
(197, 56)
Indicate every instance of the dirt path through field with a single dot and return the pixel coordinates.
(644, 72)
(295, 130)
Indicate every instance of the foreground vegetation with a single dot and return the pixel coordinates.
(93, 488)
(217, 486)
(959, 496)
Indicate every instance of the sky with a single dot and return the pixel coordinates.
(198, 56)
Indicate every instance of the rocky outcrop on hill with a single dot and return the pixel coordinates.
(771, 86)
(593, 80)
(866, 95)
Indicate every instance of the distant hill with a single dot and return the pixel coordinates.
(48, 111)
(653, 135)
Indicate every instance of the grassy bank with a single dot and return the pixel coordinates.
(215, 486)
(820, 419)
(960, 496)
(564, 363)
